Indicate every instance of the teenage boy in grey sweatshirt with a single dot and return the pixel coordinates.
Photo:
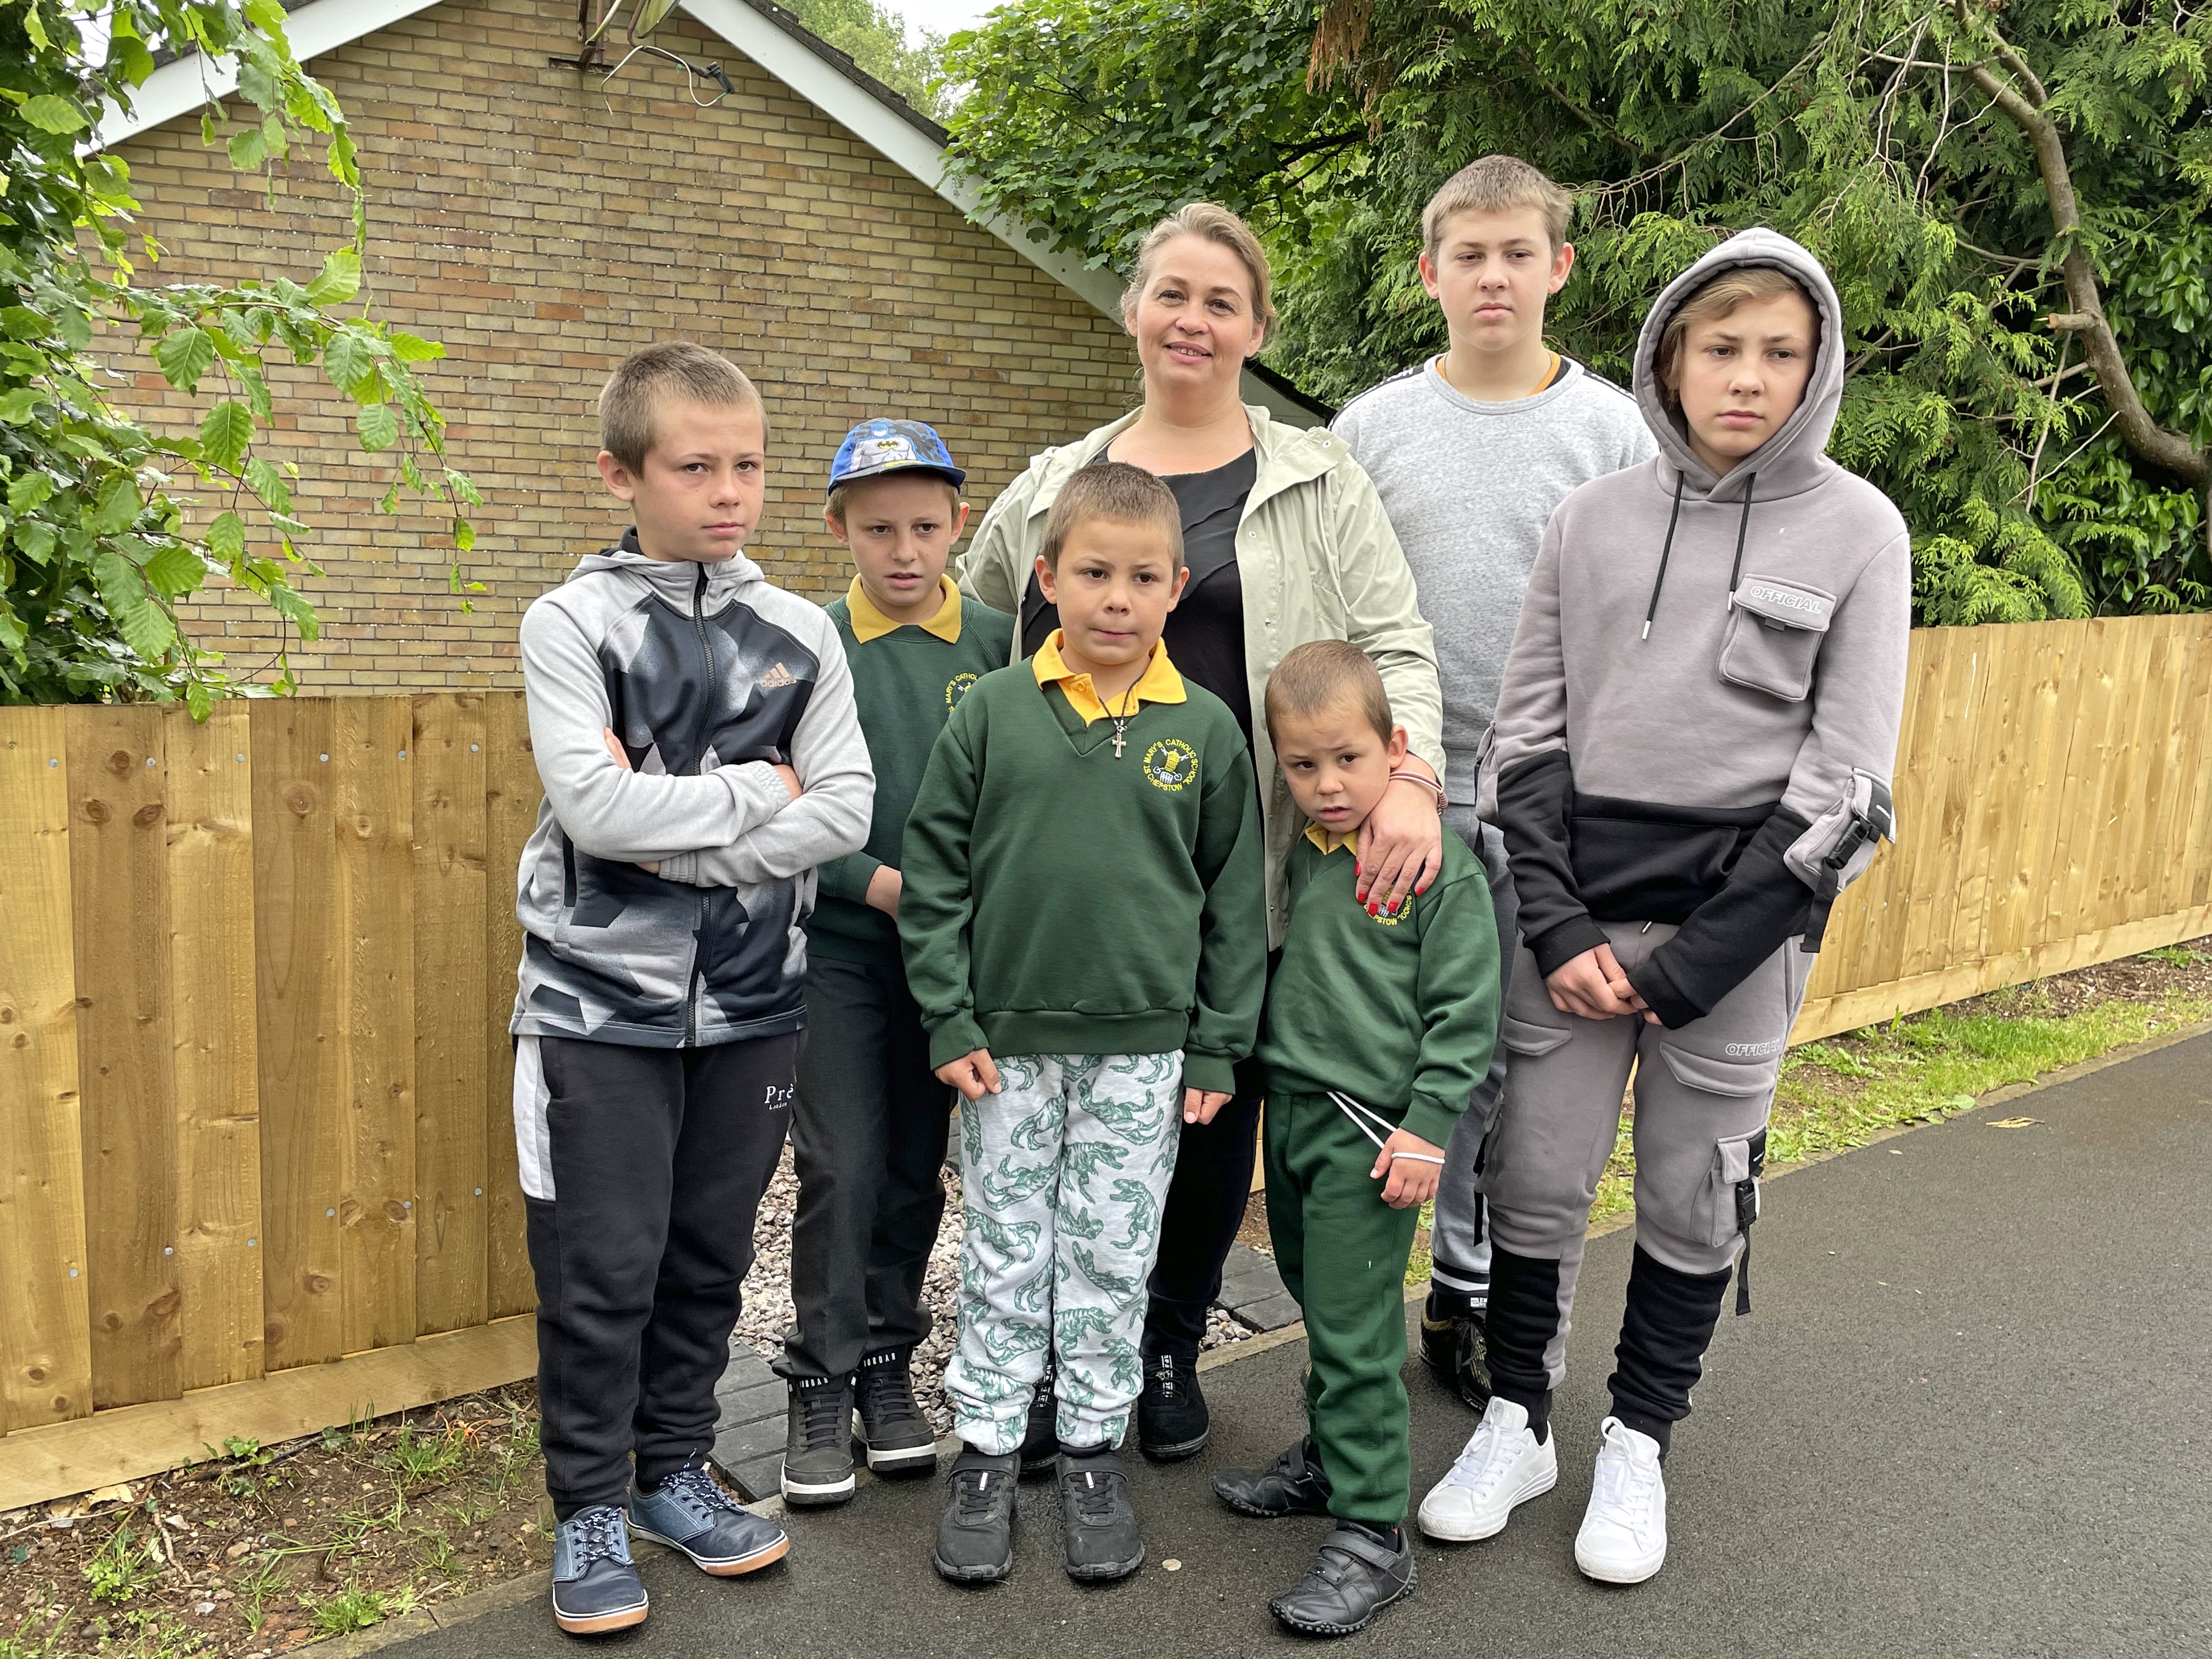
(1691, 754)
(1470, 452)
(695, 730)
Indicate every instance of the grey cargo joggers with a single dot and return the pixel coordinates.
(1702, 1092)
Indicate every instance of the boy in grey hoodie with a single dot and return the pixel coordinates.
(1691, 754)
(695, 730)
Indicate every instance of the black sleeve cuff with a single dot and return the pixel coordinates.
(1556, 947)
(1652, 983)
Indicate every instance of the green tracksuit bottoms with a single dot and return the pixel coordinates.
(1342, 1252)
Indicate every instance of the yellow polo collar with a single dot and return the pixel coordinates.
(870, 624)
(1327, 843)
(1160, 682)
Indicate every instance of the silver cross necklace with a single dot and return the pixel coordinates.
(1121, 720)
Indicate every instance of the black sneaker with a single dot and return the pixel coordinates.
(1356, 1574)
(1292, 1484)
(897, 1436)
(817, 1443)
(596, 1588)
(975, 1538)
(1171, 1420)
(1453, 1344)
(1041, 1439)
(1098, 1526)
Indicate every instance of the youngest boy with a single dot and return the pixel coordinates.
(1084, 932)
(1378, 1029)
(868, 1130)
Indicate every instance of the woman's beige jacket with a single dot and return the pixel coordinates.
(1317, 559)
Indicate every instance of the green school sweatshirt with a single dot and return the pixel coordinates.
(907, 679)
(1400, 1013)
(1063, 899)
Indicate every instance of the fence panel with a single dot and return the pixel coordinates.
(45, 1328)
(254, 1067)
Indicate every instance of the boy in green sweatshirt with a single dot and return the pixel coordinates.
(1379, 1027)
(867, 1130)
(1084, 930)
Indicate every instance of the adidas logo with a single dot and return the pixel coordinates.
(777, 676)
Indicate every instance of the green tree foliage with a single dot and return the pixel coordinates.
(2009, 192)
(96, 549)
(875, 38)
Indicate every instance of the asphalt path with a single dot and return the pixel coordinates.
(1969, 1416)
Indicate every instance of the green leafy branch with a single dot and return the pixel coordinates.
(96, 552)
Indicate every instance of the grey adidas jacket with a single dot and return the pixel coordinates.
(1696, 771)
(710, 676)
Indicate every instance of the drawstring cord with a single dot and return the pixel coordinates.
(1665, 548)
(1735, 576)
(1353, 1109)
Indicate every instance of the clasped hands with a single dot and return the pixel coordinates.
(1592, 985)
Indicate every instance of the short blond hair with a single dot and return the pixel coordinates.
(1497, 183)
(1324, 675)
(678, 370)
(1719, 298)
(1211, 222)
(1116, 491)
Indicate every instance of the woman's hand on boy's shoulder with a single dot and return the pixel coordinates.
(1401, 847)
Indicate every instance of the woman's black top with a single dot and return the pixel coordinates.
(1205, 633)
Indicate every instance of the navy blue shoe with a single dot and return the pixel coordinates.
(689, 1513)
(596, 1588)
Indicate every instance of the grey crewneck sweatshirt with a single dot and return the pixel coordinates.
(1468, 487)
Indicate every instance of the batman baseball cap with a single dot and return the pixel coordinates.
(875, 448)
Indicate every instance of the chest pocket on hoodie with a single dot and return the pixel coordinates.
(1774, 635)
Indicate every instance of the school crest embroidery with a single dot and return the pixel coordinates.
(1171, 764)
(957, 688)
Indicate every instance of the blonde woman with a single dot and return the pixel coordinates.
(1287, 542)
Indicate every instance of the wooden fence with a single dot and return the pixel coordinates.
(257, 1169)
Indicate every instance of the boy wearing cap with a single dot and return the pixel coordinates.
(868, 1130)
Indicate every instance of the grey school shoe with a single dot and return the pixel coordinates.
(690, 1514)
(596, 1588)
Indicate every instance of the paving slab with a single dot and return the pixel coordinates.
(1966, 1417)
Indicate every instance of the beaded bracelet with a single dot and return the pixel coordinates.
(1429, 784)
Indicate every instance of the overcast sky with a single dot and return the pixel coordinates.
(943, 15)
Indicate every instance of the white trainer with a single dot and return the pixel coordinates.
(1623, 1539)
(1502, 1466)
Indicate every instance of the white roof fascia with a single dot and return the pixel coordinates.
(895, 138)
(183, 85)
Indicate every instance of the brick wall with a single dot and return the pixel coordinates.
(541, 230)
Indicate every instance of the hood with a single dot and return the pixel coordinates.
(1794, 460)
(676, 580)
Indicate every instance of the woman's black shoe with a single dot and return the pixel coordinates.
(1292, 1484)
(1171, 1419)
(1453, 1346)
(1357, 1573)
(1041, 1437)
(1098, 1524)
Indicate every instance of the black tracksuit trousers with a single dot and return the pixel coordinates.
(868, 1142)
(659, 1158)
